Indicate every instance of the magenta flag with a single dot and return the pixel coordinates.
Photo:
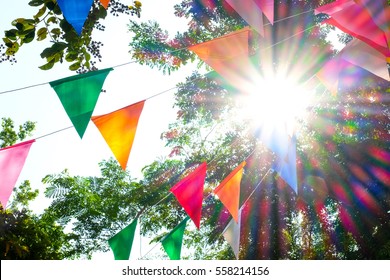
(189, 193)
(356, 20)
(12, 159)
(267, 7)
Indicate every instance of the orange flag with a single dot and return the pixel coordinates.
(229, 57)
(228, 191)
(118, 129)
(105, 3)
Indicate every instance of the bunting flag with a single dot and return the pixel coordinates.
(12, 160)
(286, 166)
(228, 191)
(355, 19)
(229, 57)
(274, 135)
(231, 233)
(267, 7)
(362, 55)
(358, 54)
(118, 130)
(173, 241)
(250, 12)
(189, 193)
(79, 94)
(75, 12)
(105, 3)
(122, 242)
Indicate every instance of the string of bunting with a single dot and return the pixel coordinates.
(229, 56)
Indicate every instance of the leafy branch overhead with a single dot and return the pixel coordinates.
(48, 24)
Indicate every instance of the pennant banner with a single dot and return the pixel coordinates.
(173, 241)
(75, 12)
(105, 3)
(356, 20)
(118, 129)
(250, 12)
(286, 167)
(228, 191)
(267, 7)
(122, 242)
(12, 160)
(79, 94)
(232, 234)
(229, 57)
(189, 193)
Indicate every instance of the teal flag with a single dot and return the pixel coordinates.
(122, 242)
(172, 241)
(79, 94)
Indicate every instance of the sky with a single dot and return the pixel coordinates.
(124, 85)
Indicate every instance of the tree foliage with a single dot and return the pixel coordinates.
(49, 25)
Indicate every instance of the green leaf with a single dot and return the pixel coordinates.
(56, 32)
(35, 3)
(29, 37)
(48, 65)
(70, 57)
(41, 12)
(11, 34)
(52, 20)
(75, 66)
(19, 26)
(51, 5)
(102, 12)
(8, 42)
(42, 33)
(13, 49)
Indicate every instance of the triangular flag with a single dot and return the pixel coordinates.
(189, 193)
(79, 94)
(355, 19)
(75, 12)
(228, 191)
(122, 242)
(287, 166)
(329, 74)
(267, 7)
(118, 129)
(12, 160)
(229, 56)
(231, 233)
(173, 241)
(105, 3)
(275, 136)
(250, 12)
(366, 57)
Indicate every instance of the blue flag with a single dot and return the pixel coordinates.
(75, 12)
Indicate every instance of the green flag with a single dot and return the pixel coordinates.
(172, 241)
(122, 242)
(79, 94)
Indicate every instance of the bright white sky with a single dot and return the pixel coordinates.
(124, 85)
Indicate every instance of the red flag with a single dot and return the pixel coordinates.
(357, 21)
(229, 57)
(118, 128)
(189, 193)
(228, 191)
(12, 160)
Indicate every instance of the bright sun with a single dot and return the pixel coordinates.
(276, 101)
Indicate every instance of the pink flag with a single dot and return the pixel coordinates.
(11, 163)
(267, 7)
(356, 20)
(250, 12)
(189, 193)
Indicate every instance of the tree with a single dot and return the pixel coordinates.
(23, 234)
(48, 24)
